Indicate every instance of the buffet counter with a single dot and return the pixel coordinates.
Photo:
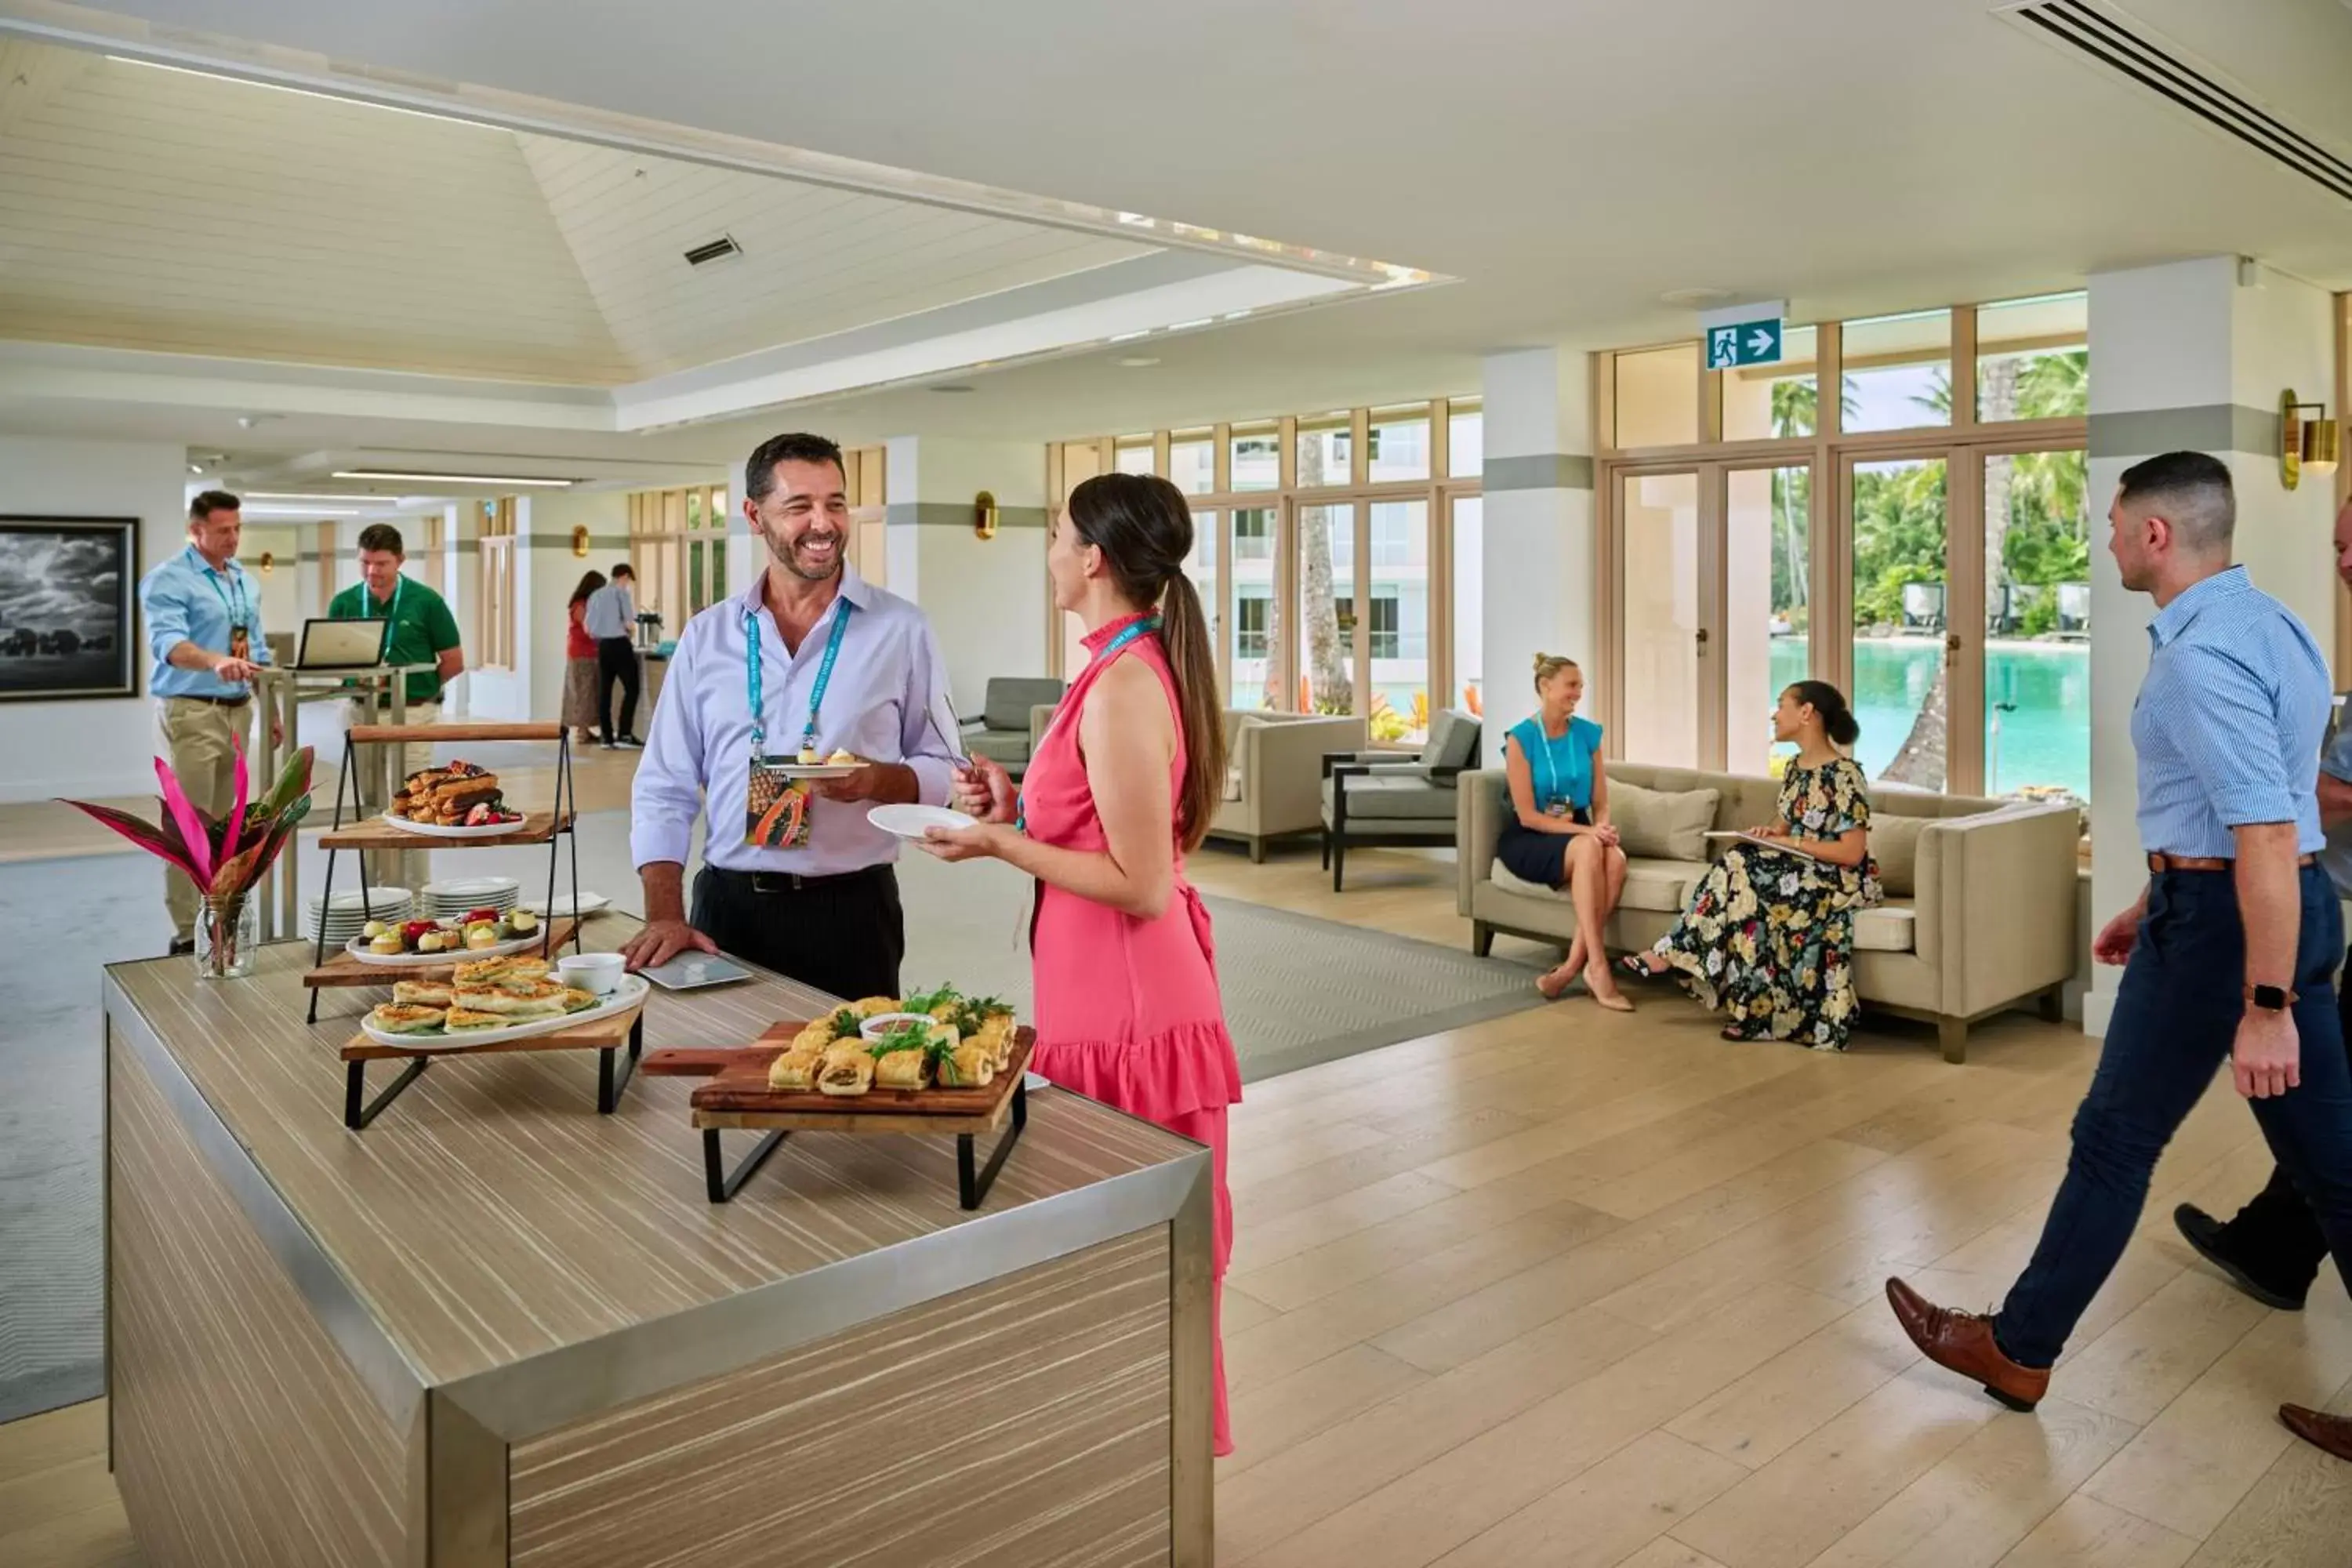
(498, 1327)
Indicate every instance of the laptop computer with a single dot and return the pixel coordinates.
(342, 644)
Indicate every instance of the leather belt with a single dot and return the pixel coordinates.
(770, 883)
(212, 701)
(2159, 864)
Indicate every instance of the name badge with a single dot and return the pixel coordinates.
(776, 812)
(240, 643)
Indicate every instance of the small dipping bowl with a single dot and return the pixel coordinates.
(873, 1028)
(592, 971)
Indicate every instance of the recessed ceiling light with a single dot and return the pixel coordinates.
(308, 498)
(954, 386)
(446, 478)
(1694, 298)
(1134, 361)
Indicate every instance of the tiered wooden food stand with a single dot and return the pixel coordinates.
(607, 1036)
(738, 1096)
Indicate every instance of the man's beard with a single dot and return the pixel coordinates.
(786, 556)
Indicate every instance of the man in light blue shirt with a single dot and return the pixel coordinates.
(611, 618)
(2230, 953)
(203, 634)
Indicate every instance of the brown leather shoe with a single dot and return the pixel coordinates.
(2332, 1433)
(1963, 1342)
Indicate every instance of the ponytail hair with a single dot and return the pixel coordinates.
(1829, 702)
(1551, 664)
(1143, 526)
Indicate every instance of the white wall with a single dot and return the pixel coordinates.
(94, 748)
(1538, 572)
(543, 613)
(985, 597)
(282, 598)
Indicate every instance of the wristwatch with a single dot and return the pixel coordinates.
(2272, 998)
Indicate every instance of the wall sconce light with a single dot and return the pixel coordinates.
(267, 561)
(983, 515)
(580, 541)
(2305, 444)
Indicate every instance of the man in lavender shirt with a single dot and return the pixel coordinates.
(805, 887)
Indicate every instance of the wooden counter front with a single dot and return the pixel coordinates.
(499, 1327)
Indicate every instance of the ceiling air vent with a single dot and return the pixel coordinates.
(718, 249)
(2106, 36)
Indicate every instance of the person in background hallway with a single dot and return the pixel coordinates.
(580, 664)
(422, 632)
(611, 618)
(203, 634)
(1559, 835)
(2229, 953)
(2273, 1248)
(1768, 935)
(810, 659)
(1125, 782)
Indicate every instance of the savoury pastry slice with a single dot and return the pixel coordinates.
(903, 1070)
(969, 1065)
(846, 1073)
(794, 1070)
(422, 993)
(407, 1018)
(542, 999)
(875, 1006)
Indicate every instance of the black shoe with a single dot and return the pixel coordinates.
(182, 947)
(629, 744)
(2203, 1233)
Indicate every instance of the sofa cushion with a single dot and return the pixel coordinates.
(1394, 798)
(1892, 927)
(1663, 886)
(1659, 827)
(1235, 724)
(1453, 737)
(1010, 698)
(1895, 845)
(1006, 748)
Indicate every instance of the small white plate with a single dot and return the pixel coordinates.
(585, 904)
(630, 991)
(911, 822)
(351, 903)
(358, 948)
(435, 830)
(820, 769)
(472, 889)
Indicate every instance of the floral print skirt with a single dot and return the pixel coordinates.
(1768, 939)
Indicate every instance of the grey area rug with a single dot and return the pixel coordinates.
(1298, 991)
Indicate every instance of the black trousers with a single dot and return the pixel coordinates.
(2275, 1238)
(616, 659)
(843, 935)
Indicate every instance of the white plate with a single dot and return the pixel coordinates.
(914, 821)
(820, 769)
(585, 904)
(358, 948)
(435, 830)
(630, 991)
(472, 889)
(352, 903)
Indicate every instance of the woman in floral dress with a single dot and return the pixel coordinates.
(1768, 935)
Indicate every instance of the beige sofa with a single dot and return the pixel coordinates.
(1981, 895)
(1274, 774)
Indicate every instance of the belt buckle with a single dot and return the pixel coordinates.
(772, 881)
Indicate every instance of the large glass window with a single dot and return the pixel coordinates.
(1901, 692)
(1398, 612)
(1657, 396)
(1133, 457)
(1257, 458)
(1251, 597)
(1201, 567)
(1323, 446)
(1659, 538)
(1768, 615)
(1327, 603)
(1468, 600)
(1465, 442)
(1399, 446)
(1193, 463)
(2037, 671)
(1898, 372)
(2034, 359)
(1769, 402)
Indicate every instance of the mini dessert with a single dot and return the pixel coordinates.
(481, 936)
(387, 943)
(843, 759)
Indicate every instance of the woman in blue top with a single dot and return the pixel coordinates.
(1558, 833)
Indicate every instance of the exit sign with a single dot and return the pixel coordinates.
(1744, 342)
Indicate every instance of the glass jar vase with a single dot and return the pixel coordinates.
(228, 932)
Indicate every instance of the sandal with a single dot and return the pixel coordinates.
(1631, 965)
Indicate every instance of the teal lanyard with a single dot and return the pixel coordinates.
(244, 606)
(755, 685)
(1551, 766)
(1142, 628)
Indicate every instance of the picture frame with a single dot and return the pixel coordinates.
(68, 608)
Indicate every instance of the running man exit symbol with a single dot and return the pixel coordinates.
(1743, 342)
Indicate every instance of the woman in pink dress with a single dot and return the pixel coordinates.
(1125, 781)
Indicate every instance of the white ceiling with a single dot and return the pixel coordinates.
(1570, 162)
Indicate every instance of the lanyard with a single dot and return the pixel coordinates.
(392, 610)
(755, 686)
(1142, 628)
(244, 606)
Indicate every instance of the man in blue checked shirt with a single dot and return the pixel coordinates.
(204, 633)
(2230, 953)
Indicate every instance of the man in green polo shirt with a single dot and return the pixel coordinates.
(422, 632)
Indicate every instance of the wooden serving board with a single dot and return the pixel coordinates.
(342, 969)
(598, 1035)
(738, 1094)
(373, 833)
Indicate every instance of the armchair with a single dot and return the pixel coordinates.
(1005, 730)
(1372, 798)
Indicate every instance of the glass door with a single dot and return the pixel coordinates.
(1906, 615)
(1767, 612)
(1330, 625)
(1249, 623)
(1670, 710)
(2037, 650)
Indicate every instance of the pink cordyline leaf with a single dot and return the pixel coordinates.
(191, 827)
(144, 834)
(235, 824)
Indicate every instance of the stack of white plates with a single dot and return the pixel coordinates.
(348, 912)
(447, 900)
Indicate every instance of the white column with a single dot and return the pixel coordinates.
(2192, 355)
(1540, 584)
(985, 597)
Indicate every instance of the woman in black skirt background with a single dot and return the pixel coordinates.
(1559, 835)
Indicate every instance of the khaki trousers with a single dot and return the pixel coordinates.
(199, 740)
(407, 868)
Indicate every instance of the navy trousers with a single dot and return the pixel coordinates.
(2176, 1017)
